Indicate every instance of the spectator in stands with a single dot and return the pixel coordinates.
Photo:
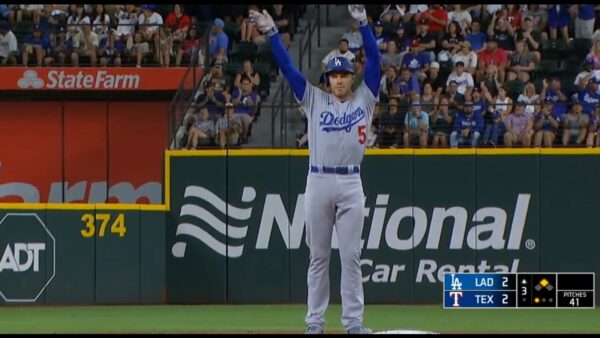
(247, 72)
(110, 51)
(391, 126)
(492, 55)
(393, 13)
(29, 12)
(463, 79)
(381, 38)
(593, 133)
(101, 23)
(213, 100)
(416, 61)
(450, 42)
(179, 23)
(494, 126)
(440, 123)
(416, 125)
(219, 81)
(503, 32)
(584, 23)
(413, 12)
(467, 127)
(149, 23)
(490, 84)
(127, 20)
(219, 60)
(552, 91)
(76, 19)
(248, 29)
(426, 40)
(582, 79)
(594, 55)
(402, 40)
(218, 40)
(531, 100)
(532, 38)
(467, 56)
(390, 82)
(503, 103)
(36, 45)
(341, 50)
(85, 44)
(455, 99)
(540, 19)
(429, 99)
(546, 126)
(460, 16)
(49, 24)
(408, 86)
(521, 62)
(165, 43)
(246, 102)
(589, 98)
(354, 38)
(140, 48)
(475, 37)
(519, 127)
(558, 18)
(436, 19)
(575, 126)
(61, 47)
(283, 22)
(7, 13)
(190, 44)
(437, 81)
(202, 131)
(229, 127)
(391, 58)
(9, 50)
(512, 14)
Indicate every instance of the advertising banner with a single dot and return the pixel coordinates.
(424, 215)
(91, 78)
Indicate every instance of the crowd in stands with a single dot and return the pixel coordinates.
(482, 75)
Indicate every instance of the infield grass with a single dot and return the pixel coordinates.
(285, 319)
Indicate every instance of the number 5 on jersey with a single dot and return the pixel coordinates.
(362, 134)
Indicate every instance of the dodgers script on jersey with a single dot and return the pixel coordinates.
(337, 131)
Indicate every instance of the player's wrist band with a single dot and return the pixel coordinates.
(272, 31)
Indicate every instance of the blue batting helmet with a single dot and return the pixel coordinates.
(339, 64)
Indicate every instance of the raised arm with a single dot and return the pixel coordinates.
(266, 25)
(372, 72)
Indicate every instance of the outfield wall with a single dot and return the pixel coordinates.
(232, 228)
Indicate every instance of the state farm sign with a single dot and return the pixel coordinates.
(60, 79)
(91, 78)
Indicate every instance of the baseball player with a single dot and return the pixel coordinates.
(338, 124)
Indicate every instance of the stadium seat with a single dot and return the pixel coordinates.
(232, 30)
(545, 68)
(580, 47)
(514, 88)
(264, 70)
(243, 51)
(22, 29)
(231, 69)
(554, 49)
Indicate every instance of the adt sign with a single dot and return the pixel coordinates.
(27, 257)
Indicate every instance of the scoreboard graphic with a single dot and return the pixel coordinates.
(539, 290)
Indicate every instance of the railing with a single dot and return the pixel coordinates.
(185, 95)
(306, 38)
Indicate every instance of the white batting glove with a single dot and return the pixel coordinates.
(359, 13)
(264, 22)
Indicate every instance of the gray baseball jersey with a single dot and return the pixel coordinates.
(337, 131)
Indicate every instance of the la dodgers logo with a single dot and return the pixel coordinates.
(330, 122)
